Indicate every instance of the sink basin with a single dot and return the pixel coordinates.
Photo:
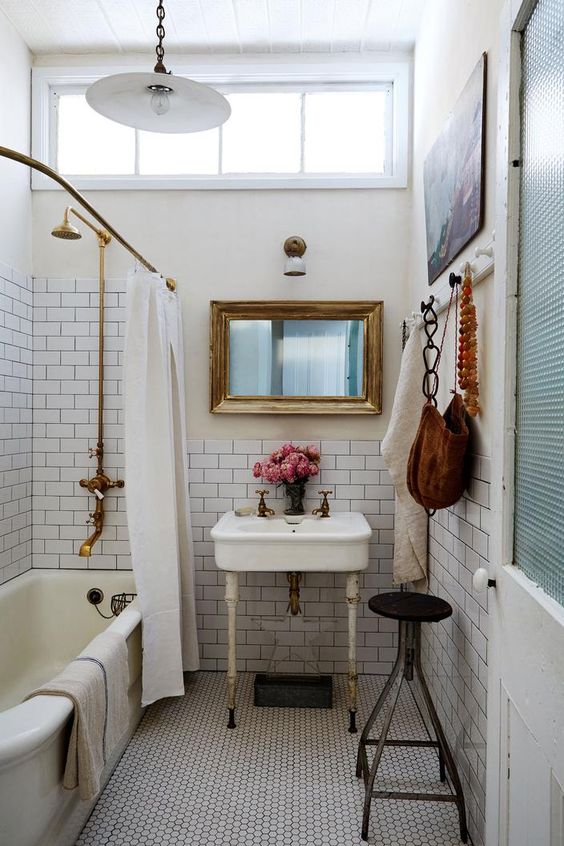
(338, 543)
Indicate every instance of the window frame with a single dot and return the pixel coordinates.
(234, 78)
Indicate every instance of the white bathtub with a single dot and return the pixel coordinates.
(45, 621)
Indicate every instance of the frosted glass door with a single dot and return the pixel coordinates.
(539, 467)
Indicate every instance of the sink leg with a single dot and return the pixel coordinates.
(231, 598)
(353, 598)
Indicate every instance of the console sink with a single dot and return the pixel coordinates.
(338, 543)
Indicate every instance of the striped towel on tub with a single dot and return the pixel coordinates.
(96, 682)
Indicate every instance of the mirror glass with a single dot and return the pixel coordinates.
(296, 358)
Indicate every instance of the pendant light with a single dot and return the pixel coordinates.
(158, 101)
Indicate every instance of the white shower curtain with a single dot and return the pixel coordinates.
(156, 484)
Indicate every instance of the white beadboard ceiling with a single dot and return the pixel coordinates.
(216, 26)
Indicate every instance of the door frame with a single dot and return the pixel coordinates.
(513, 587)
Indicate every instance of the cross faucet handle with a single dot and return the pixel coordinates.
(263, 510)
(323, 509)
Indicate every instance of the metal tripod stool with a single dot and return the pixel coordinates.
(410, 610)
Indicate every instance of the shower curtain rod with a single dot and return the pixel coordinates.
(15, 156)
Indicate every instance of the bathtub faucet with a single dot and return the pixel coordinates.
(98, 485)
(96, 520)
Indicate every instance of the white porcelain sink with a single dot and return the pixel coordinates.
(338, 543)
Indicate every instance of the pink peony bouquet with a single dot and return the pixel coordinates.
(289, 464)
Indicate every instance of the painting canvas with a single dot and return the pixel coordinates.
(453, 177)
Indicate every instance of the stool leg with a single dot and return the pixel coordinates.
(396, 687)
(445, 755)
(361, 759)
(442, 773)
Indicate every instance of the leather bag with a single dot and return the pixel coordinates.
(437, 466)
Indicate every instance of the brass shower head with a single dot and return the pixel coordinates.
(66, 230)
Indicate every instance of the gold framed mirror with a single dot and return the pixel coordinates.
(296, 357)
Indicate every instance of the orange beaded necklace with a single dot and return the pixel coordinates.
(468, 346)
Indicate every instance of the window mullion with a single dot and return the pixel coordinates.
(389, 132)
(220, 151)
(53, 159)
(302, 133)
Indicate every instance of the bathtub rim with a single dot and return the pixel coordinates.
(29, 725)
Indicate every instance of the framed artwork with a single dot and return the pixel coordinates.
(453, 177)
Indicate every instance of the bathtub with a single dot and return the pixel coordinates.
(45, 621)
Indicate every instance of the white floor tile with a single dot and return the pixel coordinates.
(283, 777)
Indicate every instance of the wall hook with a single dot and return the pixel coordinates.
(484, 251)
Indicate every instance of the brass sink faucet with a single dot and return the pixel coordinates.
(323, 509)
(263, 510)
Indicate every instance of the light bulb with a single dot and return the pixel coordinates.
(160, 102)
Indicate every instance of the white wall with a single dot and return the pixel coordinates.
(15, 308)
(228, 245)
(15, 208)
(451, 40)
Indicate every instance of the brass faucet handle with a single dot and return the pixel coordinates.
(324, 508)
(263, 510)
(93, 452)
(119, 483)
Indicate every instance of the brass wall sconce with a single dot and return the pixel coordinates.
(295, 247)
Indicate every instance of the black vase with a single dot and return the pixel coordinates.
(296, 492)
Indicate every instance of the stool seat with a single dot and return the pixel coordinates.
(410, 606)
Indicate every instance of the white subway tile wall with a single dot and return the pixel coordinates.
(455, 651)
(15, 422)
(65, 408)
(220, 472)
(65, 402)
(221, 479)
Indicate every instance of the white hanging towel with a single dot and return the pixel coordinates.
(157, 484)
(96, 682)
(410, 525)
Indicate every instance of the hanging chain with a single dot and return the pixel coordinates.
(159, 67)
(431, 351)
(455, 287)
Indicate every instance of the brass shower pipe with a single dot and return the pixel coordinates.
(34, 164)
(100, 483)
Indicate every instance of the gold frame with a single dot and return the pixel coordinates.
(223, 311)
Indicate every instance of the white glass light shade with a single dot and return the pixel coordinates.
(295, 266)
(126, 98)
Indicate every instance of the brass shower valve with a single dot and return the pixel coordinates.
(100, 483)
